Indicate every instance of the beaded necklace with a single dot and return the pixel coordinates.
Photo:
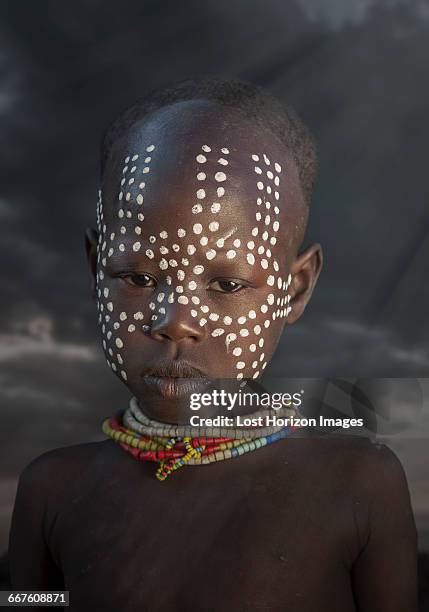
(173, 446)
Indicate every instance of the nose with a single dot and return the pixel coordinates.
(177, 325)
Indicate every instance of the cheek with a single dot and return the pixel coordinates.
(254, 329)
(122, 318)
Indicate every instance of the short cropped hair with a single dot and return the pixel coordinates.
(251, 101)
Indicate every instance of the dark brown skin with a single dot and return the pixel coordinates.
(308, 524)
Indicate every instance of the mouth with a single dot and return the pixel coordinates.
(175, 379)
(175, 388)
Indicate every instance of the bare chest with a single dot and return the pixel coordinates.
(225, 543)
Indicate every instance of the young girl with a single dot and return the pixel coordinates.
(197, 270)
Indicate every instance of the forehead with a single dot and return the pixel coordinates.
(187, 158)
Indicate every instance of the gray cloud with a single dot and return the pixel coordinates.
(40, 343)
(338, 13)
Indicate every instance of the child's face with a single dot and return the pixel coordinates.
(198, 230)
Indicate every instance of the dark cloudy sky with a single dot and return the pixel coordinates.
(357, 74)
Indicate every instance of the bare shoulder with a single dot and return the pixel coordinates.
(67, 457)
(43, 487)
(53, 472)
(384, 573)
(381, 474)
(369, 460)
(374, 471)
(363, 463)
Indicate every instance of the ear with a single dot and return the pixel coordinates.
(91, 241)
(305, 271)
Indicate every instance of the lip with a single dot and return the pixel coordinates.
(174, 387)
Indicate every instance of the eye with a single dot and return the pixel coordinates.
(139, 280)
(226, 286)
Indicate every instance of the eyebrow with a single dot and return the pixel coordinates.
(122, 261)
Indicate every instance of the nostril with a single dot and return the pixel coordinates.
(175, 330)
(177, 323)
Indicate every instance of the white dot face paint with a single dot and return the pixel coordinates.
(186, 277)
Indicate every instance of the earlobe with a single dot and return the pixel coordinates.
(305, 271)
(91, 241)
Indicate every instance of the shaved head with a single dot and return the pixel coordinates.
(180, 130)
(251, 102)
